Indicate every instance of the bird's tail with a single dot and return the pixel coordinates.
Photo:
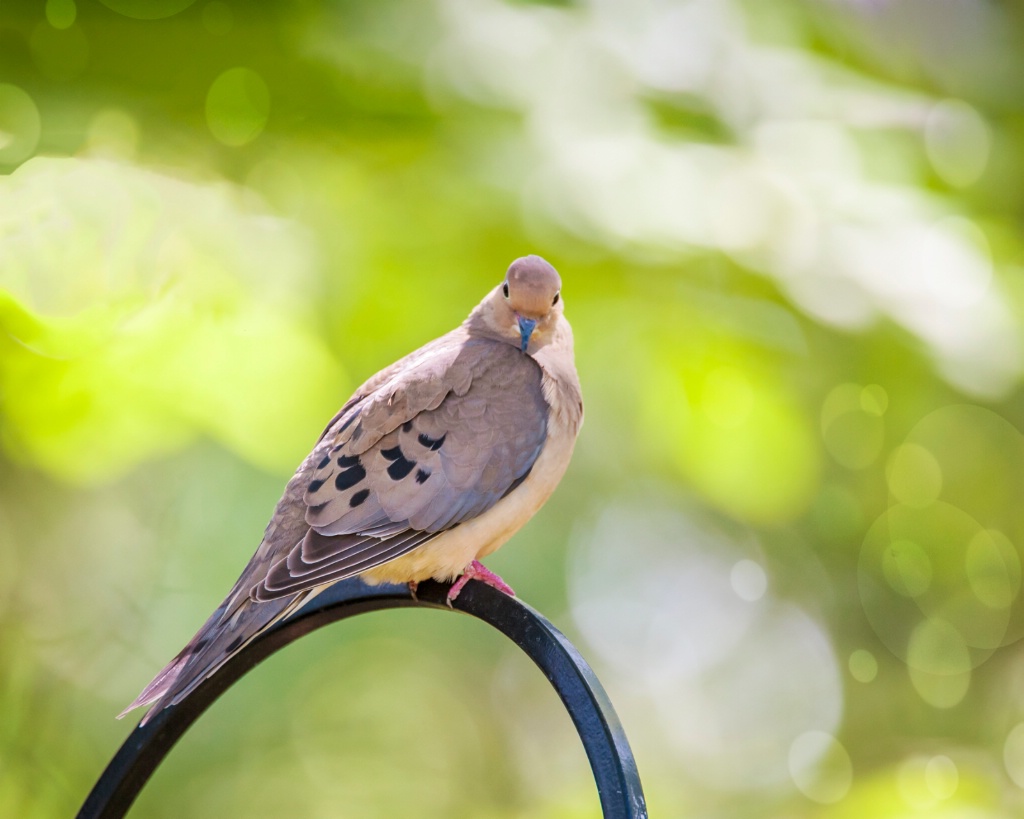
(229, 629)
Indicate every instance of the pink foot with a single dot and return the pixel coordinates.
(478, 571)
(413, 586)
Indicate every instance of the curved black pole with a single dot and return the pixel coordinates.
(618, 782)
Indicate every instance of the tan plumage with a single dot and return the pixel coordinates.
(431, 465)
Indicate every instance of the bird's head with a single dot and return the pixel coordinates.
(525, 307)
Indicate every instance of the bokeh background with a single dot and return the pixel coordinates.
(790, 541)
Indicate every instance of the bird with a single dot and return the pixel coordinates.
(430, 466)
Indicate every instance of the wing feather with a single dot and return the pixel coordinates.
(424, 472)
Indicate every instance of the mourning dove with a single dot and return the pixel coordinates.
(430, 466)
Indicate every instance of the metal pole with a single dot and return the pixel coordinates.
(618, 782)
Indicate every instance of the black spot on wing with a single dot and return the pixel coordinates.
(350, 477)
(401, 466)
(407, 426)
(345, 461)
(433, 444)
(358, 498)
(422, 475)
(235, 643)
(399, 469)
(324, 462)
(315, 485)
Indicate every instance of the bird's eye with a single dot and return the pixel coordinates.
(504, 289)
(554, 301)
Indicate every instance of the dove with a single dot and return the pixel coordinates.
(429, 467)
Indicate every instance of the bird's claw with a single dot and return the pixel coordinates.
(478, 571)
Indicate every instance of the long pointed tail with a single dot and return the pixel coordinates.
(223, 635)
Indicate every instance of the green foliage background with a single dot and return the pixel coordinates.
(791, 538)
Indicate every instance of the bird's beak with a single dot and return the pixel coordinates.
(525, 329)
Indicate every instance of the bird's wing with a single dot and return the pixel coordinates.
(435, 445)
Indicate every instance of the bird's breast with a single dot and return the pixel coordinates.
(446, 556)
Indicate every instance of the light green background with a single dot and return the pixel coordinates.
(790, 539)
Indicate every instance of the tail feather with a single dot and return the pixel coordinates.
(159, 684)
(238, 620)
(170, 673)
(228, 638)
(220, 638)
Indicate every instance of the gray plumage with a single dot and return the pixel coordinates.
(448, 435)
